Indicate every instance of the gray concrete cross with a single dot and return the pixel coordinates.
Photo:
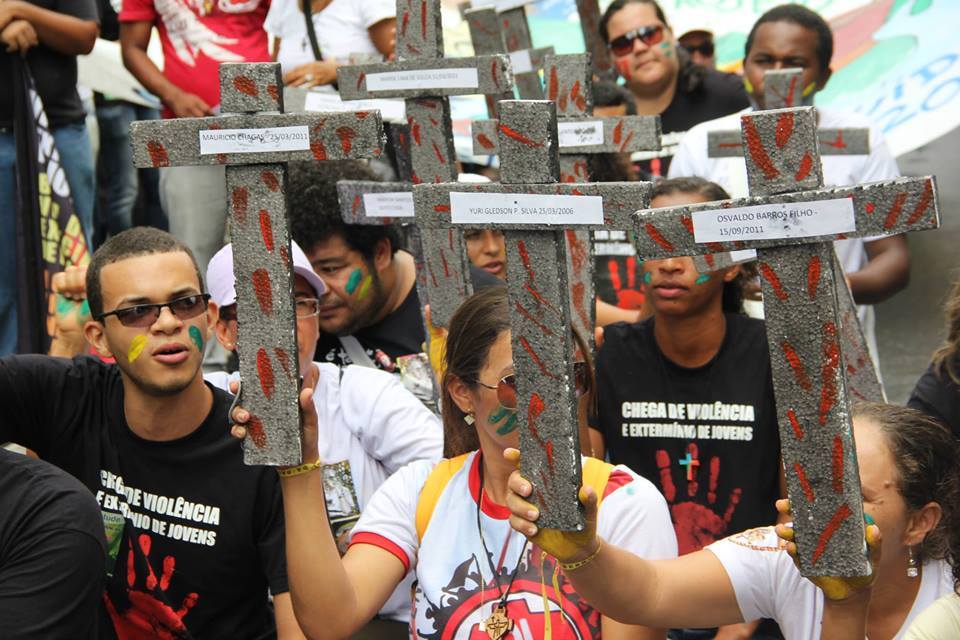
(590, 15)
(254, 139)
(504, 29)
(782, 90)
(791, 221)
(425, 79)
(570, 86)
(536, 212)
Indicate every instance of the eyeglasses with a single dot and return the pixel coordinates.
(306, 308)
(506, 387)
(622, 45)
(704, 48)
(145, 315)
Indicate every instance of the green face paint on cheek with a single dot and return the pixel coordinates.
(85, 308)
(509, 426)
(667, 49)
(354, 281)
(647, 277)
(497, 415)
(136, 348)
(703, 277)
(197, 338)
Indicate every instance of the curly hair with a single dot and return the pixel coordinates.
(314, 207)
(944, 358)
(925, 454)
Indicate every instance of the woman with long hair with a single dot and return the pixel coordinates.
(911, 487)
(937, 392)
(447, 523)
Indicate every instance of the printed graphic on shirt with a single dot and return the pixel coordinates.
(343, 509)
(684, 420)
(190, 37)
(758, 539)
(541, 603)
(147, 615)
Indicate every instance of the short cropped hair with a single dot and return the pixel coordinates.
(315, 208)
(803, 17)
(134, 242)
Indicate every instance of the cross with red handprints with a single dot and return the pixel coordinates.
(791, 220)
(254, 139)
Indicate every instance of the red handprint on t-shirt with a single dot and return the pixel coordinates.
(629, 296)
(147, 617)
(696, 524)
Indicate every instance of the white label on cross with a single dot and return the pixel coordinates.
(269, 140)
(520, 61)
(465, 78)
(390, 110)
(775, 221)
(396, 204)
(744, 255)
(524, 208)
(580, 134)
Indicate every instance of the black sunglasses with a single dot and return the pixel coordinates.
(506, 387)
(704, 48)
(144, 315)
(622, 45)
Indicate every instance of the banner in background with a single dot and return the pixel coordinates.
(49, 234)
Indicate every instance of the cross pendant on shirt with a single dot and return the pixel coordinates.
(498, 624)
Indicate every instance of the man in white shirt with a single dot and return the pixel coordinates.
(794, 36)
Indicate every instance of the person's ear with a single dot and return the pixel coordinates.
(382, 254)
(921, 522)
(460, 393)
(824, 79)
(95, 334)
(730, 274)
(226, 331)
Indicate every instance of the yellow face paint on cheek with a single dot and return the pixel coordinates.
(136, 348)
(364, 287)
(747, 84)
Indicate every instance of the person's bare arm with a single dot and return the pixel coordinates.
(613, 630)
(383, 34)
(886, 272)
(608, 314)
(134, 39)
(331, 597)
(287, 627)
(61, 32)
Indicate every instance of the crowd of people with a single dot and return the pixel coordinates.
(126, 509)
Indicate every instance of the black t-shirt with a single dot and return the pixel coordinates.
(54, 73)
(938, 396)
(706, 437)
(702, 94)
(52, 549)
(399, 334)
(195, 537)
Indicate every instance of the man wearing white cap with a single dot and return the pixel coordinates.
(370, 425)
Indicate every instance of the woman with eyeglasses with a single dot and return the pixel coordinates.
(369, 424)
(446, 524)
(660, 74)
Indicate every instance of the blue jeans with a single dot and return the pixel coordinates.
(118, 176)
(76, 158)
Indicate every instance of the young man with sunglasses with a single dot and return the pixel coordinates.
(370, 425)
(661, 75)
(194, 536)
(793, 36)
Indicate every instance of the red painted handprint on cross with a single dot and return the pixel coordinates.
(149, 617)
(696, 524)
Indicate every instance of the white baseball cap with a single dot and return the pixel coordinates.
(220, 282)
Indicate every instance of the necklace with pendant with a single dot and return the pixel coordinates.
(499, 623)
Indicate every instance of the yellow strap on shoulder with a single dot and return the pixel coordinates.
(433, 488)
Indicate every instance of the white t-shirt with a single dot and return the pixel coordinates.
(370, 426)
(341, 29)
(939, 621)
(838, 171)
(454, 587)
(768, 585)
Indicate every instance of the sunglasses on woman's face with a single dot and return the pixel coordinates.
(506, 388)
(145, 315)
(704, 48)
(622, 45)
